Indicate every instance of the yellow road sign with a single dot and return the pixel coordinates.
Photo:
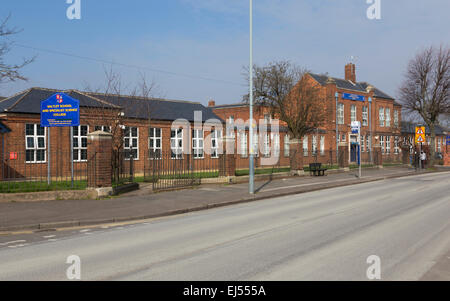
(420, 134)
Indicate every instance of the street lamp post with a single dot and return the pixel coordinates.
(251, 189)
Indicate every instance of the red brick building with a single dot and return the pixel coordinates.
(379, 114)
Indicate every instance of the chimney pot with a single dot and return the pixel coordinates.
(211, 103)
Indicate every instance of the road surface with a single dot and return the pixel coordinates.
(323, 235)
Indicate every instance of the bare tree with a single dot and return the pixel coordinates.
(426, 88)
(8, 72)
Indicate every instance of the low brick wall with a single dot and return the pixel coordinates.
(89, 194)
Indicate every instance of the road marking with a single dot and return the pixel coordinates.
(12, 242)
(49, 236)
(17, 246)
(85, 230)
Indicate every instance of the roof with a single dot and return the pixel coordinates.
(134, 107)
(410, 128)
(234, 105)
(2, 98)
(349, 85)
(4, 129)
(157, 108)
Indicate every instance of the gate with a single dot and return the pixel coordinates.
(168, 171)
(123, 167)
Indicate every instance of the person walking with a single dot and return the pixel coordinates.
(423, 158)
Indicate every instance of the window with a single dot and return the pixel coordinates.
(396, 118)
(267, 118)
(197, 143)
(103, 128)
(215, 136)
(388, 144)
(276, 144)
(231, 119)
(35, 140)
(382, 144)
(396, 145)
(353, 113)
(388, 117)
(244, 144)
(314, 145)
(255, 144)
(439, 145)
(381, 117)
(131, 142)
(340, 113)
(367, 143)
(80, 143)
(322, 145)
(365, 115)
(154, 143)
(344, 137)
(305, 146)
(266, 149)
(286, 145)
(176, 143)
(362, 144)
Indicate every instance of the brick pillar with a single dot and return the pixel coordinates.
(228, 168)
(405, 155)
(296, 157)
(446, 155)
(377, 157)
(99, 159)
(343, 159)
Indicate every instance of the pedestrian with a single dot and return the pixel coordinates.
(423, 158)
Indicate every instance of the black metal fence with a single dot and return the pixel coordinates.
(167, 170)
(28, 171)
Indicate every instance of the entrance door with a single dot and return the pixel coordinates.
(353, 152)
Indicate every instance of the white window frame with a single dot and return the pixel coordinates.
(131, 140)
(344, 137)
(255, 144)
(35, 148)
(388, 117)
(314, 145)
(362, 144)
(305, 146)
(353, 113)
(341, 114)
(244, 144)
(322, 145)
(388, 145)
(215, 136)
(153, 140)
(396, 145)
(276, 144)
(396, 118)
(79, 149)
(287, 140)
(382, 144)
(176, 143)
(103, 128)
(381, 117)
(365, 116)
(439, 144)
(266, 145)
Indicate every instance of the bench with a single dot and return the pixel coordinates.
(316, 169)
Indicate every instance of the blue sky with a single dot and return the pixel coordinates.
(208, 39)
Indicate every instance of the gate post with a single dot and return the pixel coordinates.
(229, 164)
(343, 159)
(99, 151)
(296, 157)
(378, 158)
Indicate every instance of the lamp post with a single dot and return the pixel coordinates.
(251, 189)
(370, 129)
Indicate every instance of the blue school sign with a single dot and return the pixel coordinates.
(60, 110)
(353, 97)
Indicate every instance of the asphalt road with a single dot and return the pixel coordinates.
(323, 235)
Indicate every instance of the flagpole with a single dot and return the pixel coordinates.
(251, 189)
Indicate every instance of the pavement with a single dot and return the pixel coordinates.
(329, 234)
(144, 204)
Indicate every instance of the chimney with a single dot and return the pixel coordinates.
(350, 72)
(211, 103)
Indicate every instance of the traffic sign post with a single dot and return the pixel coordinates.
(60, 110)
(419, 139)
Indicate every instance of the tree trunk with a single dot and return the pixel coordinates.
(432, 145)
